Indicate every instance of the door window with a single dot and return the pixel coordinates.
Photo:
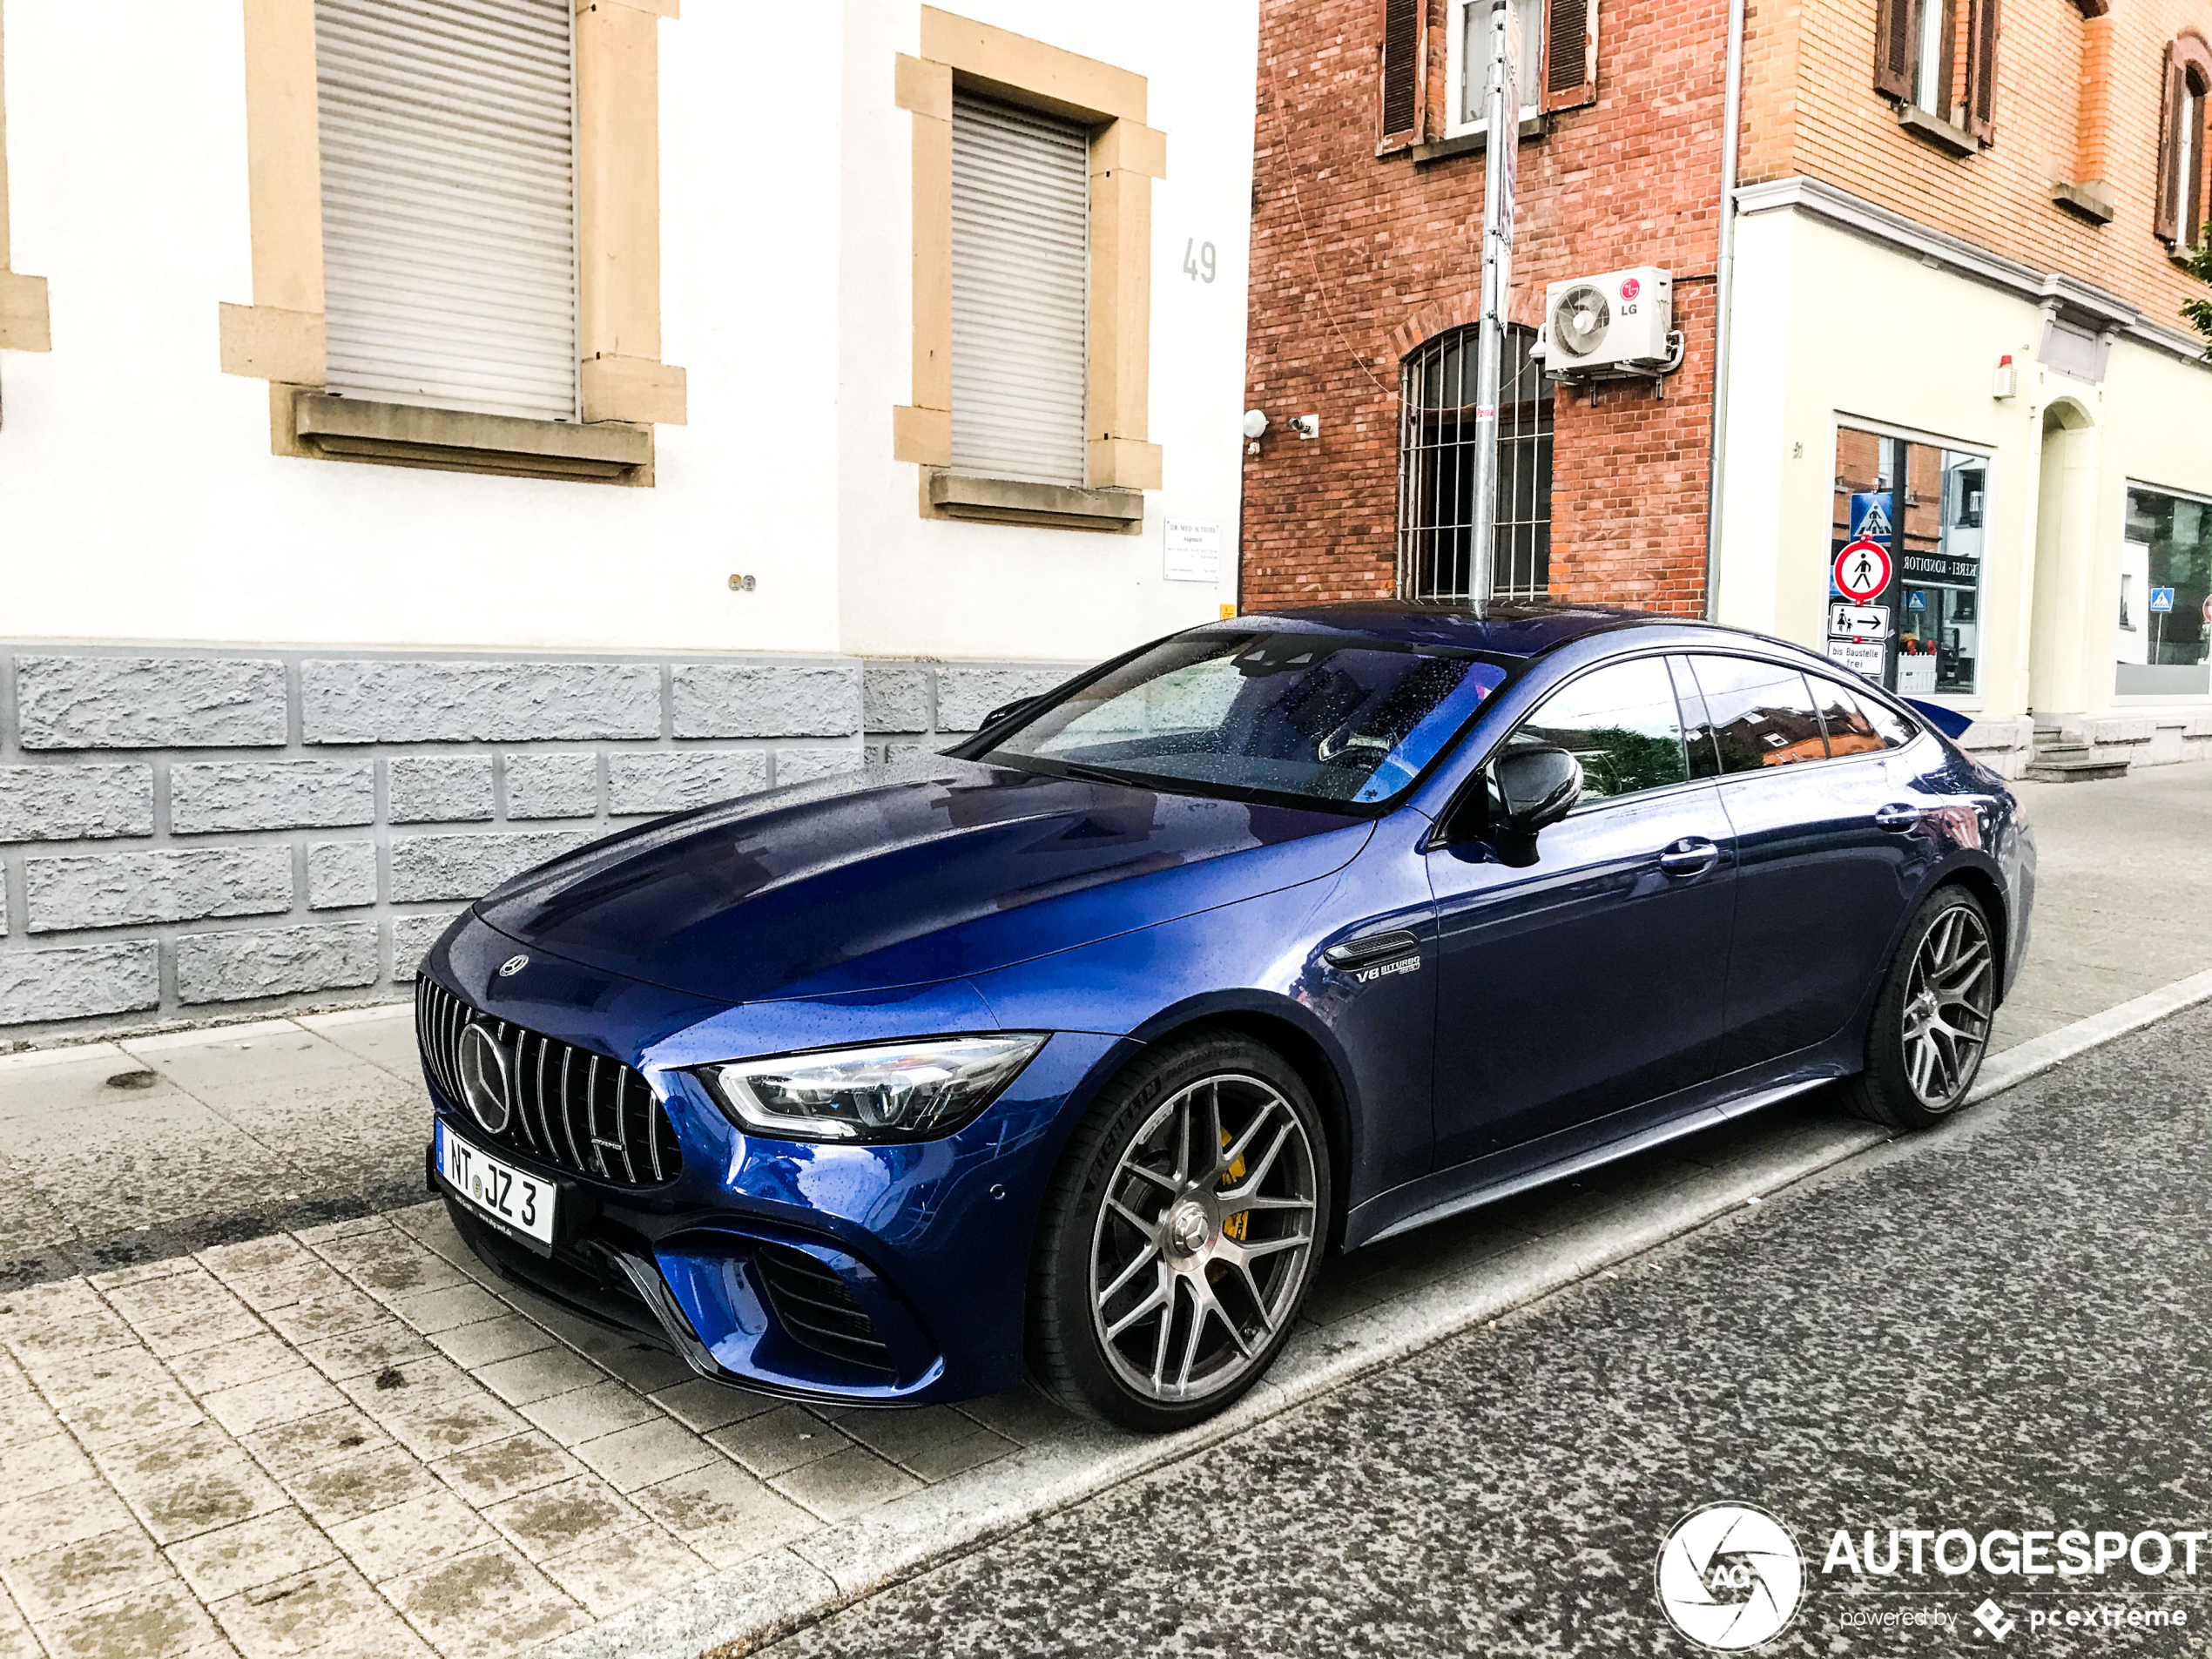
(1857, 724)
(1755, 715)
(1620, 722)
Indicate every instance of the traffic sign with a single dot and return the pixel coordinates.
(2161, 598)
(1862, 569)
(1916, 600)
(1858, 622)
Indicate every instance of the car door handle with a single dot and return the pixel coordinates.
(1692, 855)
(1897, 817)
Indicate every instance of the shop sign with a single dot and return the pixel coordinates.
(1964, 572)
(1862, 569)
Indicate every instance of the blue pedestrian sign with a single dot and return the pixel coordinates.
(2161, 598)
(1916, 600)
(1870, 516)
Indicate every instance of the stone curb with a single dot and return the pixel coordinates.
(743, 1608)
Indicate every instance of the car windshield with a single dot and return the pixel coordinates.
(1317, 717)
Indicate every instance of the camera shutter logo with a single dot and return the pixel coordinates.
(484, 1082)
(1730, 1576)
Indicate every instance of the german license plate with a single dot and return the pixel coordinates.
(498, 1189)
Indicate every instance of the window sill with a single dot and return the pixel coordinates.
(1474, 143)
(1934, 130)
(2092, 201)
(1004, 501)
(324, 426)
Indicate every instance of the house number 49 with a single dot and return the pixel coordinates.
(1197, 260)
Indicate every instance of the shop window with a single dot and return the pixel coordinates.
(1918, 511)
(1437, 463)
(2163, 642)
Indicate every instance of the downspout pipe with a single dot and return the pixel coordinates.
(1724, 303)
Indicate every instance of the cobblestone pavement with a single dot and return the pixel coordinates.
(2003, 1325)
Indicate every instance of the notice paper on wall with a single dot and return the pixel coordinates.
(1193, 551)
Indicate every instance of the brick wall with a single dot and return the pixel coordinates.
(1811, 108)
(1356, 260)
(187, 835)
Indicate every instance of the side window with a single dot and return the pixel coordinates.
(1849, 733)
(1620, 722)
(1894, 729)
(1756, 714)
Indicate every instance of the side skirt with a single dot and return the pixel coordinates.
(1486, 1180)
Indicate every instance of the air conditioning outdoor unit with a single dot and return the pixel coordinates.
(1615, 325)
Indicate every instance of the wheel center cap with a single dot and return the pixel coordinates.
(1187, 1229)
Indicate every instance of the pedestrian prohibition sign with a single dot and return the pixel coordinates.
(1861, 570)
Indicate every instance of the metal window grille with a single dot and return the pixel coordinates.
(1436, 471)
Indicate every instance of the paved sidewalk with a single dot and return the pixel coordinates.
(328, 1429)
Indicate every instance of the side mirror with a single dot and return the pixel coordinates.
(1006, 712)
(1536, 787)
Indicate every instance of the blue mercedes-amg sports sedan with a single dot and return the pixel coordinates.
(1077, 1047)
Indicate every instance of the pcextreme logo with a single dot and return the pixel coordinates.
(1730, 1576)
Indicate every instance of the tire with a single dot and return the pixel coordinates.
(1176, 1224)
(1929, 1031)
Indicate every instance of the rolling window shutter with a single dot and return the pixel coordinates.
(1020, 292)
(449, 202)
(1981, 70)
(2166, 212)
(1894, 37)
(1405, 29)
(1570, 54)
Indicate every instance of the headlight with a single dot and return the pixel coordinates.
(890, 1092)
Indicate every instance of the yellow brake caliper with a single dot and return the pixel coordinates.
(1234, 1226)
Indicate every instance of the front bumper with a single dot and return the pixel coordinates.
(879, 1275)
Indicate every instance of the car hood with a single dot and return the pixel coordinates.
(928, 869)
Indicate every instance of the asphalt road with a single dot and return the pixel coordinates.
(2001, 1325)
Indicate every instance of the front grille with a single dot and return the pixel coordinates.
(817, 1308)
(589, 1115)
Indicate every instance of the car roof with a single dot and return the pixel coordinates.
(1514, 628)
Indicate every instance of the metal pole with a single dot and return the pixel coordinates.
(1724, 306)
(1501, 153)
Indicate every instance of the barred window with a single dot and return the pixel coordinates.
(1436, 470)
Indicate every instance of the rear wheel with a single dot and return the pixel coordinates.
(1181, 1235)
(1931, 1026)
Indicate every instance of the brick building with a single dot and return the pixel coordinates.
(1957, 316)
(1367, 266)
(1956, 328)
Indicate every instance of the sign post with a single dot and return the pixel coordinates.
(1500, 158)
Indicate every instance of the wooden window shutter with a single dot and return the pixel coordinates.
(1570, 54)
(1896, 30)
(1981, 70)
(2166, 212)
(1405, 59)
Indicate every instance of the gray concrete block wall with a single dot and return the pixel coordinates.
(194, 833)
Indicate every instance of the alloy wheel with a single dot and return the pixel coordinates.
(1204, 1239)
(1947, 1002)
